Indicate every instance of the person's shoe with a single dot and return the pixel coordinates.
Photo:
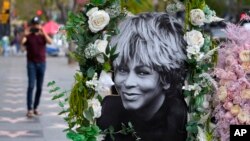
(37, 113)
(29, 114)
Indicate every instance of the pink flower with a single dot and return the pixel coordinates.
(228, 105)
(222, 74)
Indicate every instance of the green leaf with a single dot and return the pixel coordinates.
(78, 77)
(111, 132)
(90, 72)
(66, 130)
(106, 66)
(61, 104)
(54, 89)
(113, 57)
(98, 2)
(57, 96)
(199, 100)
(113, 49)
(51, 83)
(71, 134)
(107, 50)
(63, 112)
(54, 97)
(192, 129)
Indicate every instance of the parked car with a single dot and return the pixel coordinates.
(59, 45)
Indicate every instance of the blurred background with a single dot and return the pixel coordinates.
(15, 14)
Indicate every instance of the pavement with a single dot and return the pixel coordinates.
(14, 125)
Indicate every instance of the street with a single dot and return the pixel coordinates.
(14, 125)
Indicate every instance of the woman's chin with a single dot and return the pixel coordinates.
(131, 105)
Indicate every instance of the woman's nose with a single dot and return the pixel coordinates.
(130, 81)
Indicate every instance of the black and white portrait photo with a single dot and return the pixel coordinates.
(148, 74)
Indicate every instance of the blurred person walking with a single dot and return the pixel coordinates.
(35, 40)
(16, 40)
(6, 45)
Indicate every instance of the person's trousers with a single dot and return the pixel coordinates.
(36, 73)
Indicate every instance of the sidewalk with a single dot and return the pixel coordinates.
(14, 126)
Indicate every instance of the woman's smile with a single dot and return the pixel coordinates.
(138, 85)
(131, 96)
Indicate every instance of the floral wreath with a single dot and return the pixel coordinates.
(92, 29)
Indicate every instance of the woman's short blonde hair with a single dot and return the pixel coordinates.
(155, 40)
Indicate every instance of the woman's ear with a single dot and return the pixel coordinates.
(166, 86)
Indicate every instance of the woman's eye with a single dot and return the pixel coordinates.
(142, 73)
(122, 70)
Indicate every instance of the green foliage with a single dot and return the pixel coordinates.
(138, 6)
(199, 77)
(60, 96)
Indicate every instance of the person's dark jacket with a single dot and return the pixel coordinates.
(168, 124)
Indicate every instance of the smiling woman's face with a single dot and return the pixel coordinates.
(139, 86)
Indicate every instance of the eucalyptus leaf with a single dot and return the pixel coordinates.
(192, 129)
(88, 115)
(62, 112)
(61, 104)
(199, 100)
(90, 72)
(51, 83)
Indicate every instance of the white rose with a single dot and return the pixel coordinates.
(100, 58)
(97, 108)
(104, 84)
(98, 20)
(197, 17)
(91, 11)
(101, 45)
(194, 38)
